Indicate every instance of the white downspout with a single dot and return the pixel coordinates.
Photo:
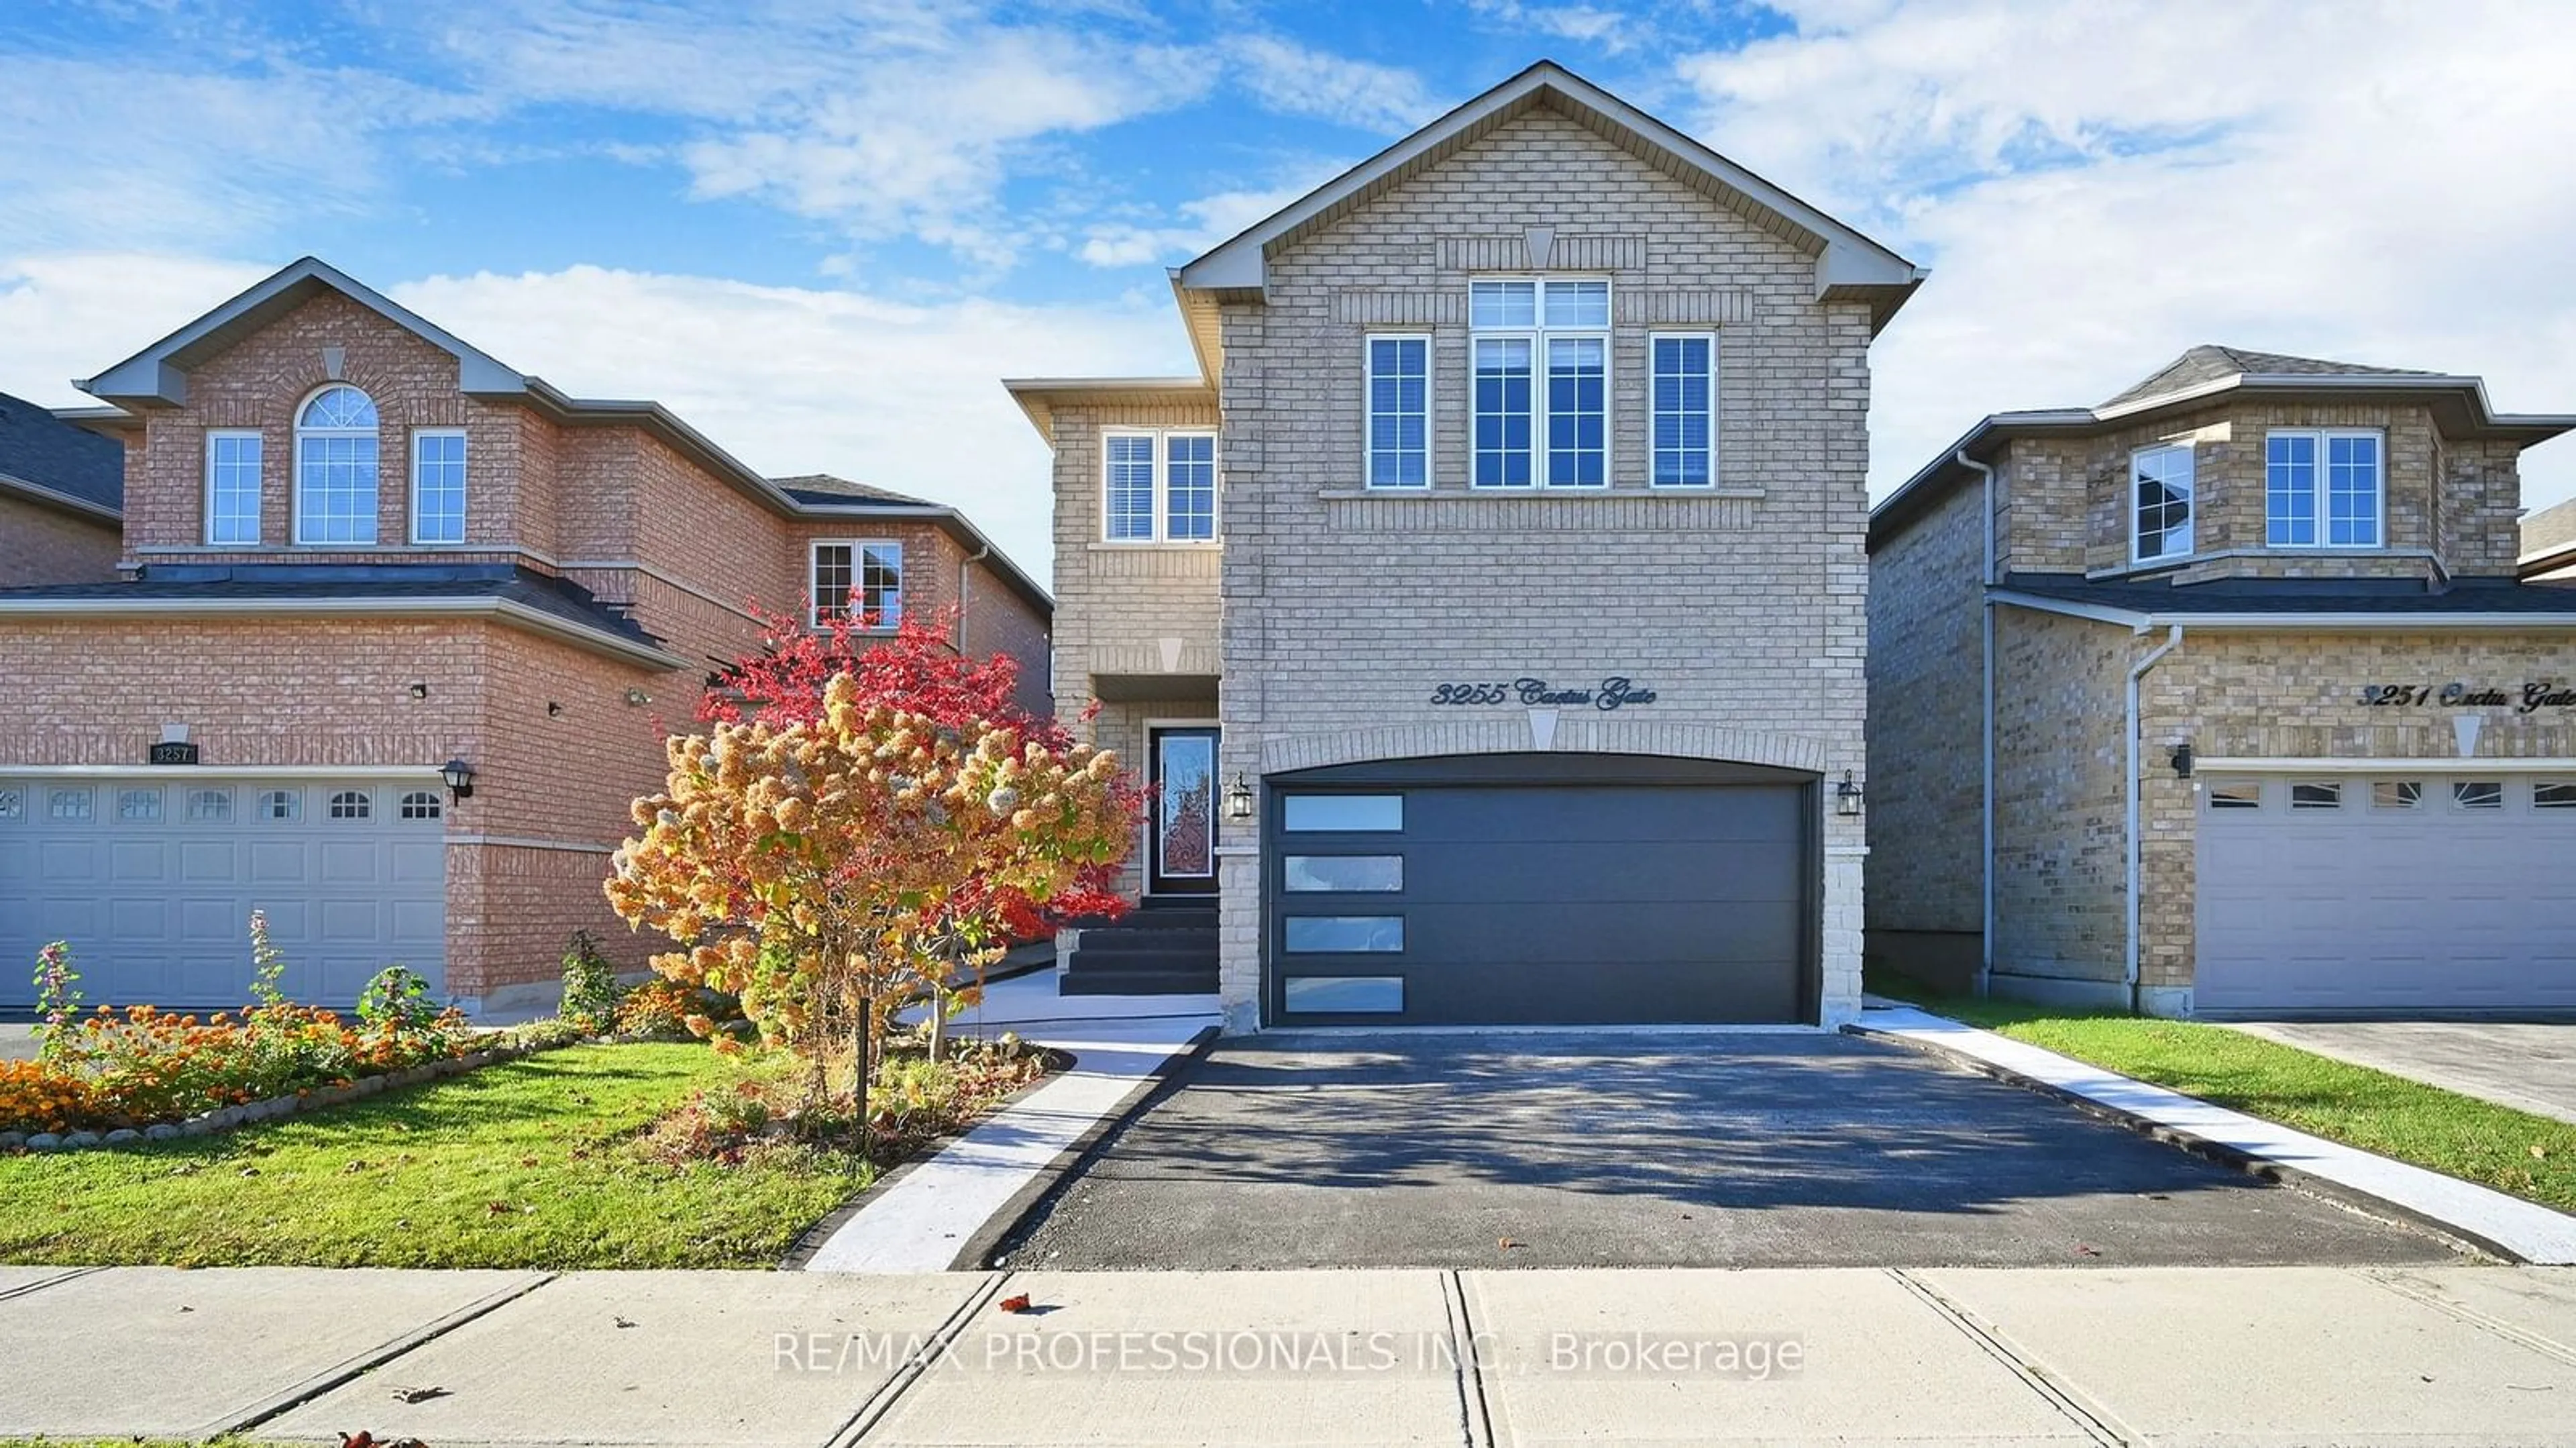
(1986, 703)
(2129, 974)
(965, 574)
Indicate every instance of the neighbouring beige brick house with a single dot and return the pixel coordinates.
(1494, 590)
(353, 549)
(2249, 636)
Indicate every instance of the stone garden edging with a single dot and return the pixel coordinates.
(228, 1118)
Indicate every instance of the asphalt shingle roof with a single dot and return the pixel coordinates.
(2209, 363)
(2298, 596)
(824, 488)
(40, 448)
(559, 597)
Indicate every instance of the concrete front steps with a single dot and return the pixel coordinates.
(1163, 947)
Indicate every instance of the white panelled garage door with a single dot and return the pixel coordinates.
(2386, 893)
(152, 881)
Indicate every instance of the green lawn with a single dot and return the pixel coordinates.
(2513, 1151)
(525, 1164)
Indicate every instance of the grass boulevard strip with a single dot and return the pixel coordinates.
(2528, 1156)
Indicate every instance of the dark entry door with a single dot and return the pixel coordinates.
(1183, 857)
(1573, 901)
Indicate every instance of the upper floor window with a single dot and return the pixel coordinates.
(859, 580)
(2321, 489)
(232, 488)
(438, 485)
(1158, 487)
(1525, 332)
(1399, 412)
(2160, 503)
(1685, 420)
(335, 468)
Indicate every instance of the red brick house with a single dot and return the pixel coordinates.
(61, 489)
(355, 549)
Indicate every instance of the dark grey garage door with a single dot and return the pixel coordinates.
(1540, 889)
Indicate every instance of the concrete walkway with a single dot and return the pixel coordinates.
(2509, 1225)
(2527, 1065)
(2455, 1355)
(929, 1218)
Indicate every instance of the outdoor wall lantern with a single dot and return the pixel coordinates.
(419, 690)
(1238, 799)
(1847, 795)
(460, 779)
(2182, 761)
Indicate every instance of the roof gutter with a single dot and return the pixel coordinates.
(55, 497)
(2391, 622)
(507, 610)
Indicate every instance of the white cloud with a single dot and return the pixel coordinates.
(1609, 31)
(1298, 80)
(1206, 221)
(75, 314)
(2099, 187)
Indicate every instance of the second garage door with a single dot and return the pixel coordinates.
(1531, 890)
(152, 880)
(2386, 893)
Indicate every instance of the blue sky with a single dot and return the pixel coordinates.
(821, 231)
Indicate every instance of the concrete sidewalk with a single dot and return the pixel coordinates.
(2458, 1355)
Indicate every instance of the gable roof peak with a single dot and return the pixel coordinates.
(1849, 266)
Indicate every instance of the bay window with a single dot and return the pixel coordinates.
(2322, 488)
(2160, 503)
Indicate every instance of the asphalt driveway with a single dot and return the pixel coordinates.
(2529, 1066)
(1579, 1150)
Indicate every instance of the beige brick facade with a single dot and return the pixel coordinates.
(1337, 610)
(2258, 697)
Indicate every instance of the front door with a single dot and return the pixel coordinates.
(1183, 853)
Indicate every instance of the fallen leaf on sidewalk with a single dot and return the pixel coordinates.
(1505, 1243)
(1016, 1304)
(2083, 1251)
(621, 1322)
(419, 1395)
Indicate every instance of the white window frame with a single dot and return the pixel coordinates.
(296, 464)
(889, 619)
(1160, 455)
(464, 505)
(258, 491)
(1655, 414)
(2191, 502)
(1368, 411)
(1538, 334)
(2321, 488)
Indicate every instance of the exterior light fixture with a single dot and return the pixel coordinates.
(637, 698)
(1238, 799)
(460, 779)
(1847, 796)
(553, 709)
(419, 690)
(2182, 761)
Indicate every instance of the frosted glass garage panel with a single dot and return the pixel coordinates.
(1371, 993)
(1345, 934)
(1358, 813)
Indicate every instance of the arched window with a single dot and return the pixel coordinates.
(335, 468)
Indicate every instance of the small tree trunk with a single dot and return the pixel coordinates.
(866, 1067)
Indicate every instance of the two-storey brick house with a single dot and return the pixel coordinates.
(1489, 608)
(61, 488)
(2222, 698)
(354, 550)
